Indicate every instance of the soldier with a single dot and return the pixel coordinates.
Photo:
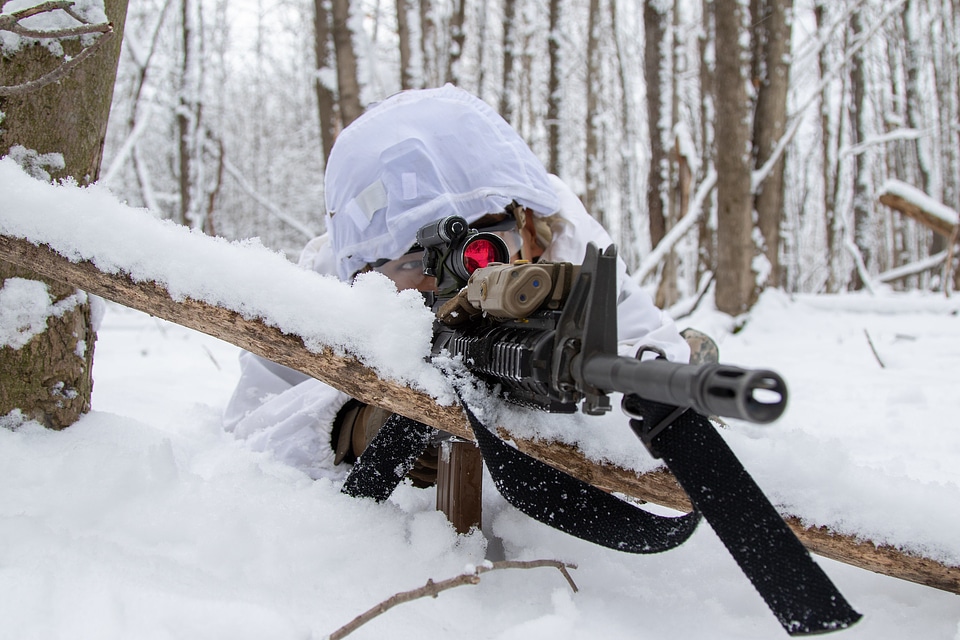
(408, 161)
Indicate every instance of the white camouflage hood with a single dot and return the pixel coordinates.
(417, 157)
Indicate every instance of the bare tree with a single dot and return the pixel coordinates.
(458, 38)
(736, 280)
(655, 29)
(862, 197)
(507, 86)
(706, 241)
(348, 81)
(629, 162)
(189, 112)
(592, 157)
(428, 43)
(404, 38)
(830, 170)
(49, 378)
(325, 61)
(553, 89)
(772, 31)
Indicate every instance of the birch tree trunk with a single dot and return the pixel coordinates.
(49, 379)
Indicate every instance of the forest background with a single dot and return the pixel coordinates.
(729, 146)
(741, 143)
(765, 131)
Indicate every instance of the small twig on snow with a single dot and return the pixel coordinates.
(433, 589)
(874, 349)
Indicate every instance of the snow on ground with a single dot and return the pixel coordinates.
(146, 520)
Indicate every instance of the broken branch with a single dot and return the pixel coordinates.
(433, 589)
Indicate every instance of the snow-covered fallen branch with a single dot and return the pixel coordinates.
(917, 205)
(914, 268)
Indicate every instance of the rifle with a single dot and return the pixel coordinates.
(546, 334)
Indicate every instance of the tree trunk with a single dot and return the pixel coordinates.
(627, 188)
(188, 115)
(404, 39)
(49, 379)
(553, 89)
(507, 97)
(914, 51)
(654, 29)
(830, 177)
(773, 29)
(862, 218)
(326, 97)
(428, 43)
(592, 158)
(706, 247)
(667, 292)
(348, 81)
(736, 281)
(457, 39)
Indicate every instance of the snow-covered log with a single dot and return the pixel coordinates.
(349, 374)
(917, 205)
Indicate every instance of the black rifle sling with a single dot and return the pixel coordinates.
(573, 506)
(538, 490)
(795, 588)
(388, 458)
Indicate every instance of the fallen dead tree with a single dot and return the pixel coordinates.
(939, 218)
(920, 207)
(348, 374)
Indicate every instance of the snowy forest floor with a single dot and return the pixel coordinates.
(146, 520)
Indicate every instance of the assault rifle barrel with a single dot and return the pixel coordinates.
(756, 395)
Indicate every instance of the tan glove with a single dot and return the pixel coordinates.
(356, 427)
